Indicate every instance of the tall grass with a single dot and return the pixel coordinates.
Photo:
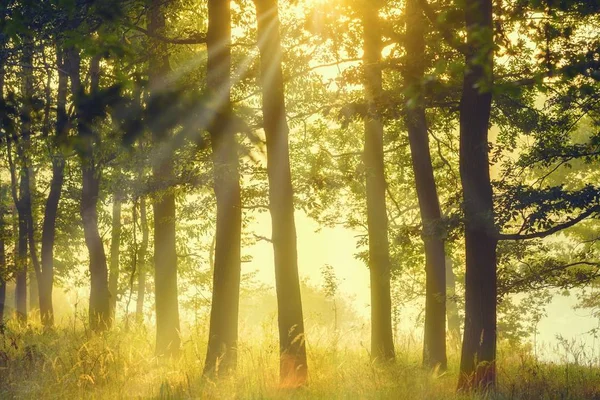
(70, 362)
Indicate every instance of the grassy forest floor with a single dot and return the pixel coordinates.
(71, 363)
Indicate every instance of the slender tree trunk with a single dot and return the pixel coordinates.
(382, 337)
(165, 255)
(222, 340)
(34, 273)
(3, 266)
(142, 265)
(115, 244)
(46, 282)
(99, 308)
(293, 366)
(477, 365)
(434, 343)
(451, 305)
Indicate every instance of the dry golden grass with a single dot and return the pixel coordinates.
(72, 363)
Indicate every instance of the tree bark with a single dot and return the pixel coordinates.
(46, 282)
(477, 365)
(142, 265)
(99, 309)
(434, 343)
(382, 338)
(221, 355)
(165, 255)
(293, 366)
(115, 244)
(451, 305)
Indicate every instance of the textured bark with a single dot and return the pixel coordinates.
(163, 204)
(115, 245)
(434, 343)
(451, 305)
(382, 339)
(477, 365)
(99, 312)
(293, 366)
(142, 265)
(221, 355)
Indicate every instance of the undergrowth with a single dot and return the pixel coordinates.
(70, 362)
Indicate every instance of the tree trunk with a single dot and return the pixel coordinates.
(477, 365)
(382, 338)
(46, 282)
(434, 343)
(115, 243)
(34, 274)
(165, 255)
(451, 305)
(222, 340)
(142, 265)
(293, 366)
(99, 309)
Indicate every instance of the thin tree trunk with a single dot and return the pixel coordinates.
(142, 265)
(477, 365)
(451, 305)
(115, 244)
(221, 355)
(99, 308)
(46, 283)
(382, 337)
(293, 366)
(434, 343)
(163, 204)
(34, 273)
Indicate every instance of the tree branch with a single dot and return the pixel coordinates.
(554, 229)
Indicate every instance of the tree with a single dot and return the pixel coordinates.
(382, 342)
(292, 346)
(222, 341)
(115, 244)
(46, 281)
(163, 203)
(478, 355)
(434, 343)
(99, 308)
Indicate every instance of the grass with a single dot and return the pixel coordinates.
(71, 363)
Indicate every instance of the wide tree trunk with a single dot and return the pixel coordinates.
(142, 265)
(477, 365)
(451, 304)
(46, 282)
(163, 204)
(221, 355)
(115, 245)
(292, 346)
(382, 338)
(434, 341)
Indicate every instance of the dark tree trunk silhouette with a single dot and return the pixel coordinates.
(34, 274)
(477, 365)
(434, 343)
(221, 354)
(115, 245)
(46, 281)
(451, 304)
(99, 312)
(292, 346)
(382, 338)
(141, 264)
(163, 204)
